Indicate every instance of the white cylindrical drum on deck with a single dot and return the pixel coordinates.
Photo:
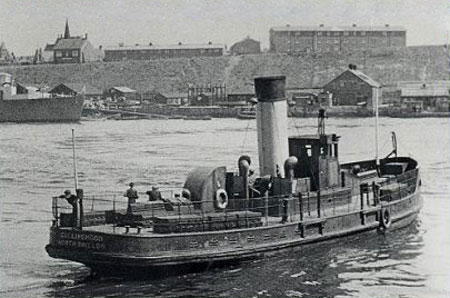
(271, 124)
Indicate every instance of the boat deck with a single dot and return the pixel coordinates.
(328, 210)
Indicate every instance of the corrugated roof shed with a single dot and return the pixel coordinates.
(124, 89)
(419, 84)
(425, 92)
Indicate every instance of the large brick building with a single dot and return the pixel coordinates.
(149, 52)
(352, 87)
(322, 38)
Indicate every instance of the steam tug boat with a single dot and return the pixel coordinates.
(303, 195)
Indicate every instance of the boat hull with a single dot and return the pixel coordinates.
(106, 252)
(64, 109)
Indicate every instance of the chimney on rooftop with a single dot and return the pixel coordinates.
(209, 42)
(353, 25)
(150, 43)
(321, 25)
(179, 43)
(288, 25)
(85, 36)
(386, 25)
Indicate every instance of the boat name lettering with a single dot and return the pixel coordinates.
(81, 244)
(81, 237)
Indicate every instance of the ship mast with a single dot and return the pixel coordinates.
(75, 174)
(377, 157)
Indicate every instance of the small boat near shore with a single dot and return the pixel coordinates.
(303, 195)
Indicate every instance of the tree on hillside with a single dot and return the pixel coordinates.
(36, 57)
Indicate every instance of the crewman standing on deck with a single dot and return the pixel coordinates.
(154, 194)
(131, 194)
(73, 201)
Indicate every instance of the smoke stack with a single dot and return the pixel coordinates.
(271, 122)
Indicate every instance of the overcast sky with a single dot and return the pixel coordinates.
(27, 25)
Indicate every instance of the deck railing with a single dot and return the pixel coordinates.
(113, 209)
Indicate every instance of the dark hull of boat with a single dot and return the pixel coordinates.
(111, 253)
(64, 109)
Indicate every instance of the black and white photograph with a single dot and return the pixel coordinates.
(212, 148)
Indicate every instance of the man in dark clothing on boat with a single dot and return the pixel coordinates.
(73, 201)
(154, 194)
(131, 194)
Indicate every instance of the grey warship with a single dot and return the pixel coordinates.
(303, 195)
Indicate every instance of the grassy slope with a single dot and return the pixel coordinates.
(386, 66)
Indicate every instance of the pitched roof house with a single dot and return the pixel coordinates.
(72, 89)
(353, 87)
(76, 49)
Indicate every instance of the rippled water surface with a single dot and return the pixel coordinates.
(36, 164)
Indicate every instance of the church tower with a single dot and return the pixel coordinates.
(66, 31)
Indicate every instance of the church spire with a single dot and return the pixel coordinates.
(66, 31)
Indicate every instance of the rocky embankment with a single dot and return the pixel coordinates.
(308, 70)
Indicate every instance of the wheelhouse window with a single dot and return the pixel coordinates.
(58, 54)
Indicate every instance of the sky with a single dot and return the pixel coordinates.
(26, 25)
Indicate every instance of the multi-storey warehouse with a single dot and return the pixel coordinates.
(148, 52)
(322, 38)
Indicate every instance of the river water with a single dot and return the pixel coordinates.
(36, 164)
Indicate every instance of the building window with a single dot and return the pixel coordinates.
(319, 33)
(346, 33)
(58, 54)
(74, 53)
(363, 33)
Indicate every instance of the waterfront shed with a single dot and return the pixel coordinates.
(176, 98)
(427, 96)
(352, 87)
(72, 89)
(122, 92)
